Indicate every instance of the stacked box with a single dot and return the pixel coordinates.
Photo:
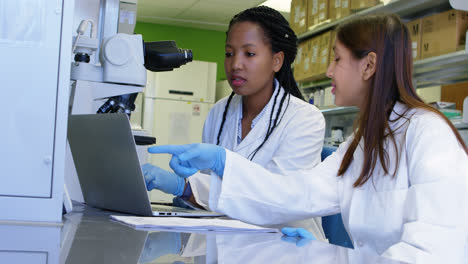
(324, 53)
(443, 33)
(339, 9)
(299, 62)
(331, 53)
(415, 31)
(312, 13)
(315, 57)
(363, 4)
(345, 8)
(317, 12)
(298, 17)
(323, 11)
(310, 57)
(334, 6)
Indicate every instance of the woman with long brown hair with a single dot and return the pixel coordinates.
(399, 182)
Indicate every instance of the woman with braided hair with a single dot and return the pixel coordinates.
(265, 118)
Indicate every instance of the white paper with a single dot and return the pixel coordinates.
(191, 224)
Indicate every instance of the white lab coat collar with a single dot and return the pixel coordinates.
(399, 109)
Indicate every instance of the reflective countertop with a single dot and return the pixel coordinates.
(87, 235)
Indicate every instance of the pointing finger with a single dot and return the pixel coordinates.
(169, 149)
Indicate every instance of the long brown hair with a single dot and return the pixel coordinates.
(388, 37)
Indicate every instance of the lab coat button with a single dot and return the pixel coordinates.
(47, 160)
(360, 244)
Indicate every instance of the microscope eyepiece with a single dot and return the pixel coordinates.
(165, 56)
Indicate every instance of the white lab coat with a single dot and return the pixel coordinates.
(246, 248)
(420, 215)
(296, 143)
(270, 248)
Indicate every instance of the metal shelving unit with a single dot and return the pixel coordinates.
(407, 9)
(308, 87)
(444, 69)
(339, 110)
(440, 70)
(460, 125)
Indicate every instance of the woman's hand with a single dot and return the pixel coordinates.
(189, 159)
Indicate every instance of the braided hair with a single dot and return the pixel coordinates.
(281, 38)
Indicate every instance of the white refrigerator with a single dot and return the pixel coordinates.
(175, 105)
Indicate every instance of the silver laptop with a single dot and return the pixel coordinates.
(106, 161)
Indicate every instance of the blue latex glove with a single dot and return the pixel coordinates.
(188, 159)
(159, 244)
(166, 181)
(299, 236)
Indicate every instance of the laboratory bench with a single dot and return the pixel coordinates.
(88, 236)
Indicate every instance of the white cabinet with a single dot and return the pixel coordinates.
(30, 244)
(175, 106)
(178, 122)
(35, 68)
(194, 81)
(174, 122)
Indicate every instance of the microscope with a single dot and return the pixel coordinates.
(121, 74)
(109, 70)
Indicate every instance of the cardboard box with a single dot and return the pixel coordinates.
(312, 13)
(315, 57)
(299, 62)
(363, 4)
(324, 53)
(317, 12)
(443, 33)
(415, 31)
(331, 53)
(310, 59)
(298, 16)
(345, 8)
(333, 7)
(323, 11)
(339, 9)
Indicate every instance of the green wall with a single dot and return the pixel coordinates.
(206, 45)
